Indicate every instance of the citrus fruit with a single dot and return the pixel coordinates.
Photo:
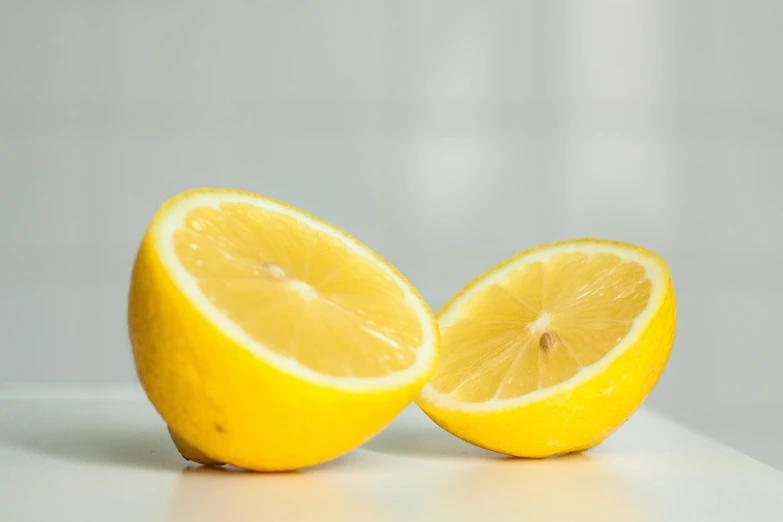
(267, 338)
(552, 350)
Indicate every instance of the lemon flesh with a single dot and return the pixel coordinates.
(552, 350)
(268, 339)
(300, 293)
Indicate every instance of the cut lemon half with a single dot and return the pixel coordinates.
(552, 350)
(267, 338)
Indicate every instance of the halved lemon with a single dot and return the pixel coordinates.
(552, 350)
(267, 338)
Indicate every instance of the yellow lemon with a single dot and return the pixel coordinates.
(552, 350)
(267, 338)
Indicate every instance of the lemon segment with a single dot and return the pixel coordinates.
(293, 290)
(552, 350)
(267, 338)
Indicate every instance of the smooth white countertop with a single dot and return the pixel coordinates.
(103, 454)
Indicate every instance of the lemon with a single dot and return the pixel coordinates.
(552, 350)
(267, 338)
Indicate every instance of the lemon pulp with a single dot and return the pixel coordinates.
(302, 295)
(539, 325)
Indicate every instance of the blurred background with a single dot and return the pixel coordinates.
(446, 134)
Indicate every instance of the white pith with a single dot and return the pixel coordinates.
(656, 274)
(174, 219)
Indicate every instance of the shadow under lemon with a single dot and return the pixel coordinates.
(427, 440)
(131, 447)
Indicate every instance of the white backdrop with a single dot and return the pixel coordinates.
(447, 135)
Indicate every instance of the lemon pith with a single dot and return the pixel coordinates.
(267, 338)
(552, 350)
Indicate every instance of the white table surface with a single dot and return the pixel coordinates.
(104, 455)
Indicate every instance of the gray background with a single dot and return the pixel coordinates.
(446, 134)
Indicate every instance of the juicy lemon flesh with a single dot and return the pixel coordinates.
(539, 325)
(301, 293)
